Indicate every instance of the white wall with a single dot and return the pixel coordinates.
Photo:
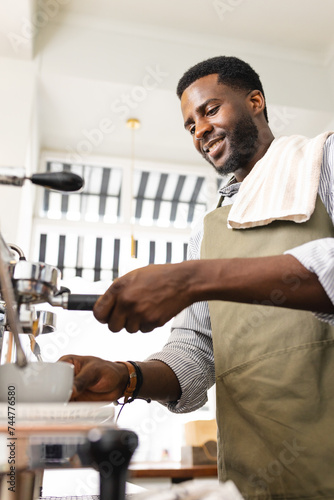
(18, 145)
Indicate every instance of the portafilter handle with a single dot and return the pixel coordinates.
(81, 302)
(74, 301)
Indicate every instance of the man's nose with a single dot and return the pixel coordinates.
(203, 127)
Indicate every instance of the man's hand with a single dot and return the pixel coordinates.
(96, 379)
(146, 298)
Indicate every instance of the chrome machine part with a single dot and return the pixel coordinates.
(18, 250)
(11, 305)
(29, 316)
(34, 282)
(48, 320)
(13, 176)
(3, 322)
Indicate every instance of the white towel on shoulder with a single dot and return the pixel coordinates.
(283, 185)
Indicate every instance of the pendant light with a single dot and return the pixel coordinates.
(133, 124)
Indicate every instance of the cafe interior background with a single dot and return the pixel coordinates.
(72, 75)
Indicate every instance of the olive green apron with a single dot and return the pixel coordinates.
(274, 373)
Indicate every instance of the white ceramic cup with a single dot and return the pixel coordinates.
(37, 382)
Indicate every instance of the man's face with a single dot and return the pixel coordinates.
(220, 123)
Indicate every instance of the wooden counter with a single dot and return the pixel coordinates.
(172, 470)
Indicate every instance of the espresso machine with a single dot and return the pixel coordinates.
(23, 285)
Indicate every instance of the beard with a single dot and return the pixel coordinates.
(243, 145)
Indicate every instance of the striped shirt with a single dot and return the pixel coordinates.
(189, 350)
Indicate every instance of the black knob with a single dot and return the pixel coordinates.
(111, 451)
(59, 181)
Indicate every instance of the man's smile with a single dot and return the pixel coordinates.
(213, 147)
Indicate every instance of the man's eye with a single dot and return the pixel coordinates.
(212, 111)
(192, 130)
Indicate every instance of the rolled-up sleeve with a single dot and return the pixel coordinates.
(188, 351)
(189, 354)
(318, 257)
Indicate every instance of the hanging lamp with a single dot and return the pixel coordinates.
(133, 124)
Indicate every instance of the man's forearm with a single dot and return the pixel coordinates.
(147, 298)
(159, 381)
(279, 280)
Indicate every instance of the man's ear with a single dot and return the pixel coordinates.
(256, 101)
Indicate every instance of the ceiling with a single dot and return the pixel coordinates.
(299, 25)
(97, 63)
(302, 24)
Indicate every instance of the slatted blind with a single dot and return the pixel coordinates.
(166, 199)
(99, 200)
(160, 198)
(98, 258)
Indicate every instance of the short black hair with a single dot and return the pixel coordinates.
(231, 71)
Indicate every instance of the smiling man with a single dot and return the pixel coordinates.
(267, 246)
(223, 131)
